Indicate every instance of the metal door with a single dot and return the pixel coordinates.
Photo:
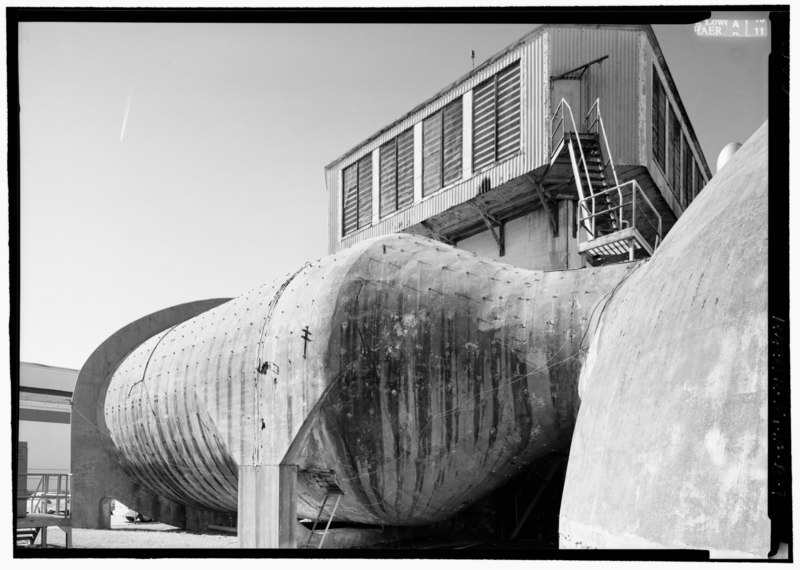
(569, 90)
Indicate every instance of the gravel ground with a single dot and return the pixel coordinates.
(124, 534)
(142, 535)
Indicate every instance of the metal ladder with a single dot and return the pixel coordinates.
(27, 536)
(326, 480)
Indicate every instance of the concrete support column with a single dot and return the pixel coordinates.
(96, 473)
(567, 224)
(267, 506)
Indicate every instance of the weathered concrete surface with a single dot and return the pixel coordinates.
(429, 378)
(97, 472)
(449, 375)
(530, 243)
(670, 446)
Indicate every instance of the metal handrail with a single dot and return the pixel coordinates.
(636, 192)
(38, 502)
(618, 190)
(598, 124)
(563, 104)
(554, 126)
(43, 491)
(599, 121)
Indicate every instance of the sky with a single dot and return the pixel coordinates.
(167, 163)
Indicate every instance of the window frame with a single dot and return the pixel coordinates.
(394, 143)
(366, 159)
(659, 119)
(496, 131)
(440, 116)
(686, 173)
(674, 177)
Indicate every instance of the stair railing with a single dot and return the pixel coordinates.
(638, 202)
(36, 499)
(557, 129)
(44, 492)
(596, 126)
(562, 118)
(639, 198)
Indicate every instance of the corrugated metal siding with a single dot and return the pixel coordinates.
(333, 184)
(660, 177)
(535, 97)
(614, 80)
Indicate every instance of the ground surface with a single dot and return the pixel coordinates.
(124, 534)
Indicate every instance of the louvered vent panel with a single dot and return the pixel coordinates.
(350, 195)
(659, 120)
(388, 170)
(675, 154)
(453, 128)
(405, 169)
(365, 191)
(432, 153)
(687, 174)
(508, 111)
(483, 124)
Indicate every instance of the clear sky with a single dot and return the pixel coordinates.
(166, 163)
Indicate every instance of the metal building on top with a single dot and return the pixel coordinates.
(570, 147)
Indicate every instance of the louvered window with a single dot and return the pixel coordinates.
(659, 121)
(675, 153)
(686, 187)
(357, 195)
(496, 117)
(397, 173)
(699, 182)
(442, 148)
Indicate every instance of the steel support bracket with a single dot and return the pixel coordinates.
(498, 234)
(548, 205)
(436, 235)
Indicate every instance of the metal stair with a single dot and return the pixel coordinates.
(613, 217)
(597, 184)
(25, 536)
(326, 480)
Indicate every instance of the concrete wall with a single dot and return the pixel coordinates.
(97, 473)
(530, 242)
(431, 377)
(670, 447)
